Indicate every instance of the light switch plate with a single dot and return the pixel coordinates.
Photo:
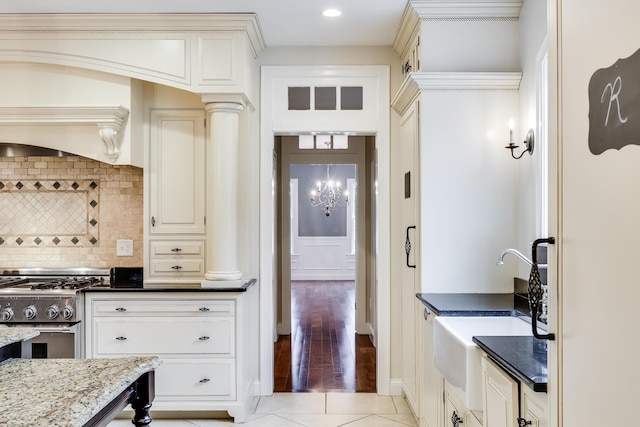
(124, 248)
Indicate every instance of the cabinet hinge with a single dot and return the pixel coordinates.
(444, 399)
(205, 122)
(205, 220)
(355, 306)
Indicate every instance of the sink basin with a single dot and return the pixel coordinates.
(458, 358)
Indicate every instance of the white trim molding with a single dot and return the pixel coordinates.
(109, 120)
(417, 82)
(200, 53)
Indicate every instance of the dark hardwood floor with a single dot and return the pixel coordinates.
(323, 352)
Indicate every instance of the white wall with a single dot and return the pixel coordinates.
(599, 212)
(468, 190)
(469, 45)
(533, 29)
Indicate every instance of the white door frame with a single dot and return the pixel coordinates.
(377, 124)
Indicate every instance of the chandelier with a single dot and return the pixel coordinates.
(328, 195)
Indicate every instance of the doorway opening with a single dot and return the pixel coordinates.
(325, 333)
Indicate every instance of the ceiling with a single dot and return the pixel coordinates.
(283, 22)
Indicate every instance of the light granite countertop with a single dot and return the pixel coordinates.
(64, 392)
(11, 335)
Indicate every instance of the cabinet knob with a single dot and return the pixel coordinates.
(522, 422)
(121, 338)
(121, 309)
(177, 267)
(203, 338)
(456, 420)
(205, 380)
(176, 250)
(203, 309)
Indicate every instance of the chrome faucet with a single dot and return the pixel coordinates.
(544, 309)
(516, 253)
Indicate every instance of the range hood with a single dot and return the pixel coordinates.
(8, 149)
(91, 131)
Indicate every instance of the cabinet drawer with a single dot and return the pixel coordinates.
(174, 336)
(174, 248)
(177, 267)
(182, 308)
(179, 379)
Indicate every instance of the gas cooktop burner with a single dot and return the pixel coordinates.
(6, 282)
(68, 283)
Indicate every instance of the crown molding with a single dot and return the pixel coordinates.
(145, 23)
(426, 9)
(417, 11)
(109, 120)
(416, 83)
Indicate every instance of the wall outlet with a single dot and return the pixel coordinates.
(124, 248)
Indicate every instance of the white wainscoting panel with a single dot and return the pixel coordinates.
(323, 258)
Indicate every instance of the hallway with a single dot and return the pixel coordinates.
(323, 353)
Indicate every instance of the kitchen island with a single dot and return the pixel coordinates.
(72, 392)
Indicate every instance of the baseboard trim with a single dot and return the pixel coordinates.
(395, 387)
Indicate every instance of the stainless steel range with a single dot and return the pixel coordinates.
(49, 300)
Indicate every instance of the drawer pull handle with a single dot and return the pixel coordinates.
(203, 309)
(176, 250)
(205, 380)
(203, 338)
(177, 267)
(121, 338)
(121, 309)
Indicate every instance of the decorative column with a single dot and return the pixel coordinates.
(222, 200)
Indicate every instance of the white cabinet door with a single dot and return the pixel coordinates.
(410, 276)
(430, 382)
(177, 172)
(500, 396)
(533, 407)
(454, 409)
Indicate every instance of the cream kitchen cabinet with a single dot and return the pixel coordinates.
(504, 405)
(533, 408)
(176, 197)
(431, 383)
(195, 334)
(455, 412)
(500, 396)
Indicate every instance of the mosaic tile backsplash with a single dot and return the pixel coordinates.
(31, 212)
(68, 212)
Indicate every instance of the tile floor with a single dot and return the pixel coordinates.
(312, 410)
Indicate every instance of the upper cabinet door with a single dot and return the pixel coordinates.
(177, 172)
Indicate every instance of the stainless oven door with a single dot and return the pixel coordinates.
(55, 342)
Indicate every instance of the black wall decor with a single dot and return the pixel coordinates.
(614, 105)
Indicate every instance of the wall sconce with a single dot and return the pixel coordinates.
(528, 142)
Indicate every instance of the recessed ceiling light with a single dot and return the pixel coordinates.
(332, 13)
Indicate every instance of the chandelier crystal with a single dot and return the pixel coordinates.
(328, 195)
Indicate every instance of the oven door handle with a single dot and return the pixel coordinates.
(60, 329)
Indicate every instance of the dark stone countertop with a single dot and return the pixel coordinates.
(473, 304)
(523, 357)
(174, 288)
